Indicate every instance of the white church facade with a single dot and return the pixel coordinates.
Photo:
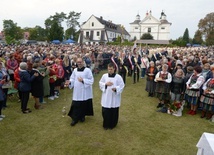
(97, 30)
(159, 29)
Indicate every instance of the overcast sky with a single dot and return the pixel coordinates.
(181, 13)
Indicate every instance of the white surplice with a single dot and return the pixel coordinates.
(82, 90)
(110, 98)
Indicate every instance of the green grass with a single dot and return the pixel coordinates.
(140, 130)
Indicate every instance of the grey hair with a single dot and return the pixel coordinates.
(165, 66)
(23, 65)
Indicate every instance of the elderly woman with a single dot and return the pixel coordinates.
(150, 84)
(163, 79)
(207, 98)
(177, 85)
(192, 92)
(2, 95)
(25, 86)
(37, 85)
(12, 64)
(66, 63)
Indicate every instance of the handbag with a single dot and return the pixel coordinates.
(10, 71)
(7, 85)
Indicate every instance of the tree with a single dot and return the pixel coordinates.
(72, 24)
(206, 26)
(179, 42)
(56, 32)
(197, 38)
(210, 38)
(186, 35)
(147, 36)
(12, 31)
(54, 23)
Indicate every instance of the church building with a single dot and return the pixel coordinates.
(159, 29)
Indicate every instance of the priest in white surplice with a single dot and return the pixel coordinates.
(81, 81)
(111, 85)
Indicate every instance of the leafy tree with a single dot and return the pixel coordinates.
(147, 36)
(179, 42)
(37, 33)
(210, 38)
(12, 31)
(56, 32)
(206, 26)
(197, 38)
(72, 24)
(186, 35)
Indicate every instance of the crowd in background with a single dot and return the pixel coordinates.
(172, 74)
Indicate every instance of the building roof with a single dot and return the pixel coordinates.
(165, 22)
(112, 26)
(153, 41)
(135, 22)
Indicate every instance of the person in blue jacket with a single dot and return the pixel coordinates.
(2, 95)
(25, 86)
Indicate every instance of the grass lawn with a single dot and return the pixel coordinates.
(140, 130)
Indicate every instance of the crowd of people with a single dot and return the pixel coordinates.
(171, 74)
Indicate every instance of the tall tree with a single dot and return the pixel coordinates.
(206, 26)
(55, 23)
(37, 33)
(12, 31)
(197, 38)
(56, 32)
(72, 25)
(186, 35)
(210, 38)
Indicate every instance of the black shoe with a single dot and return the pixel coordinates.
(73, 123)
(159, 105)
(26, 111)
(82, 119)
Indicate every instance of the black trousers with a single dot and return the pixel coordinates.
(136, 74)
(110, 117)
(52, 87)
(5, 90)
(1, 105)
(24, 100)
(77, 111)
(123, 75)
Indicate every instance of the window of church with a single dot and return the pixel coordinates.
(149, 29)
(98, 33)
(87, 34)
(162, 28)
(136, 27)
(92, 24)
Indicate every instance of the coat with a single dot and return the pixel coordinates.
(25, 80)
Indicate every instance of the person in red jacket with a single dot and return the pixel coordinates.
(60, 76)
(17, 82)
(52, 79)
(12, 64)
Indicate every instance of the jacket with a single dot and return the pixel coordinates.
(25, 81)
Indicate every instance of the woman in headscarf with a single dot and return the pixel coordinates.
(163, 79)
(177, 86)
(150, 83)
(192, 92)
(207, 98)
